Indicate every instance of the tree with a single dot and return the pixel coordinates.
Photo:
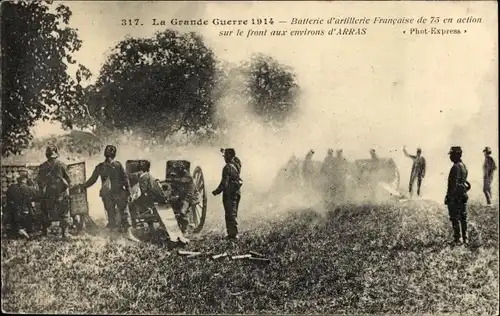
(156, 85)
(271, 88)
(37, 47)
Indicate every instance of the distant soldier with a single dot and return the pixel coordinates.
(115, 192)
(328, 163)
(229, 186)
(327, 174)
(373, 154)
(489, 168)
(20, 197)
(456, 195)
(308, 168)
(341, 172)
(293, 168)
(417, 170)
(54, 183)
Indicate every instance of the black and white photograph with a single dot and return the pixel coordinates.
(249, 157)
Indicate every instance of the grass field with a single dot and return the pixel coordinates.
(350, 259)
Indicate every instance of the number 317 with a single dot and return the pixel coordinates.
(130, 22)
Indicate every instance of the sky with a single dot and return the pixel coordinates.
(382, 90)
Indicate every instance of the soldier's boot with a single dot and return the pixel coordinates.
(127, 233)
(23, 233)
(456, 231)
(463, 225)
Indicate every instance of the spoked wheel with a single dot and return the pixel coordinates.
(198, 212)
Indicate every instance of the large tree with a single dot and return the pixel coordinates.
(271, 88)
(37, 47)
(156, 85)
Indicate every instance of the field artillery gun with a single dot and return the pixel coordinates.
(178, 178)
(79, 208)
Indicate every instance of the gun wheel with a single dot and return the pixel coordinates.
(198, 212)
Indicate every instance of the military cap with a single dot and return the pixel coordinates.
(330, 151)
(487, 150)
(51, 152)
(419, 149)
(455, 150)
(23, 174)
(229, 152)
(110, 151)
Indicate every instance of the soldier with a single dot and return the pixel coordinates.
(327, 174)
(489, 168)
(308, 167)
(417, 170)
(183, 191)
(456, 195)
(341, 169)
(20, 197)
(229, 186)
(150, 189)
(54, 183)
(115, 192)
(328, 163)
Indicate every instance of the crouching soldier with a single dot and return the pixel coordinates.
(229, 186)
(54, 183)
(20, 197)
(150, 192)
(456, 195)
(115, 192)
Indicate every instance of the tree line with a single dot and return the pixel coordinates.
(161, 85)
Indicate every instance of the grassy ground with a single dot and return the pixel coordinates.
(351, 259)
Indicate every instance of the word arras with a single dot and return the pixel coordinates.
(220, 22)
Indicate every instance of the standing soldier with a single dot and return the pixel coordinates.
(229, 186)
(308, 168)
(417, 169)
(327, 175)
(489, 168)
(341, 170)
(115, 192)
(54, 183)
(456, 195)
(20, 197)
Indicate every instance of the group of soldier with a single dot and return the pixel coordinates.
(456, 195)
(129, 196)
(126, 197)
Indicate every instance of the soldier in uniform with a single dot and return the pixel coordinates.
(417, 170)
(150, 189)
(308, 168)
(456, 195)
(341, 170)
(183, 191)
(115, 192)
(489, 168)
(229, 186)
(20, 197)
(54, 183)
(327, 174)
